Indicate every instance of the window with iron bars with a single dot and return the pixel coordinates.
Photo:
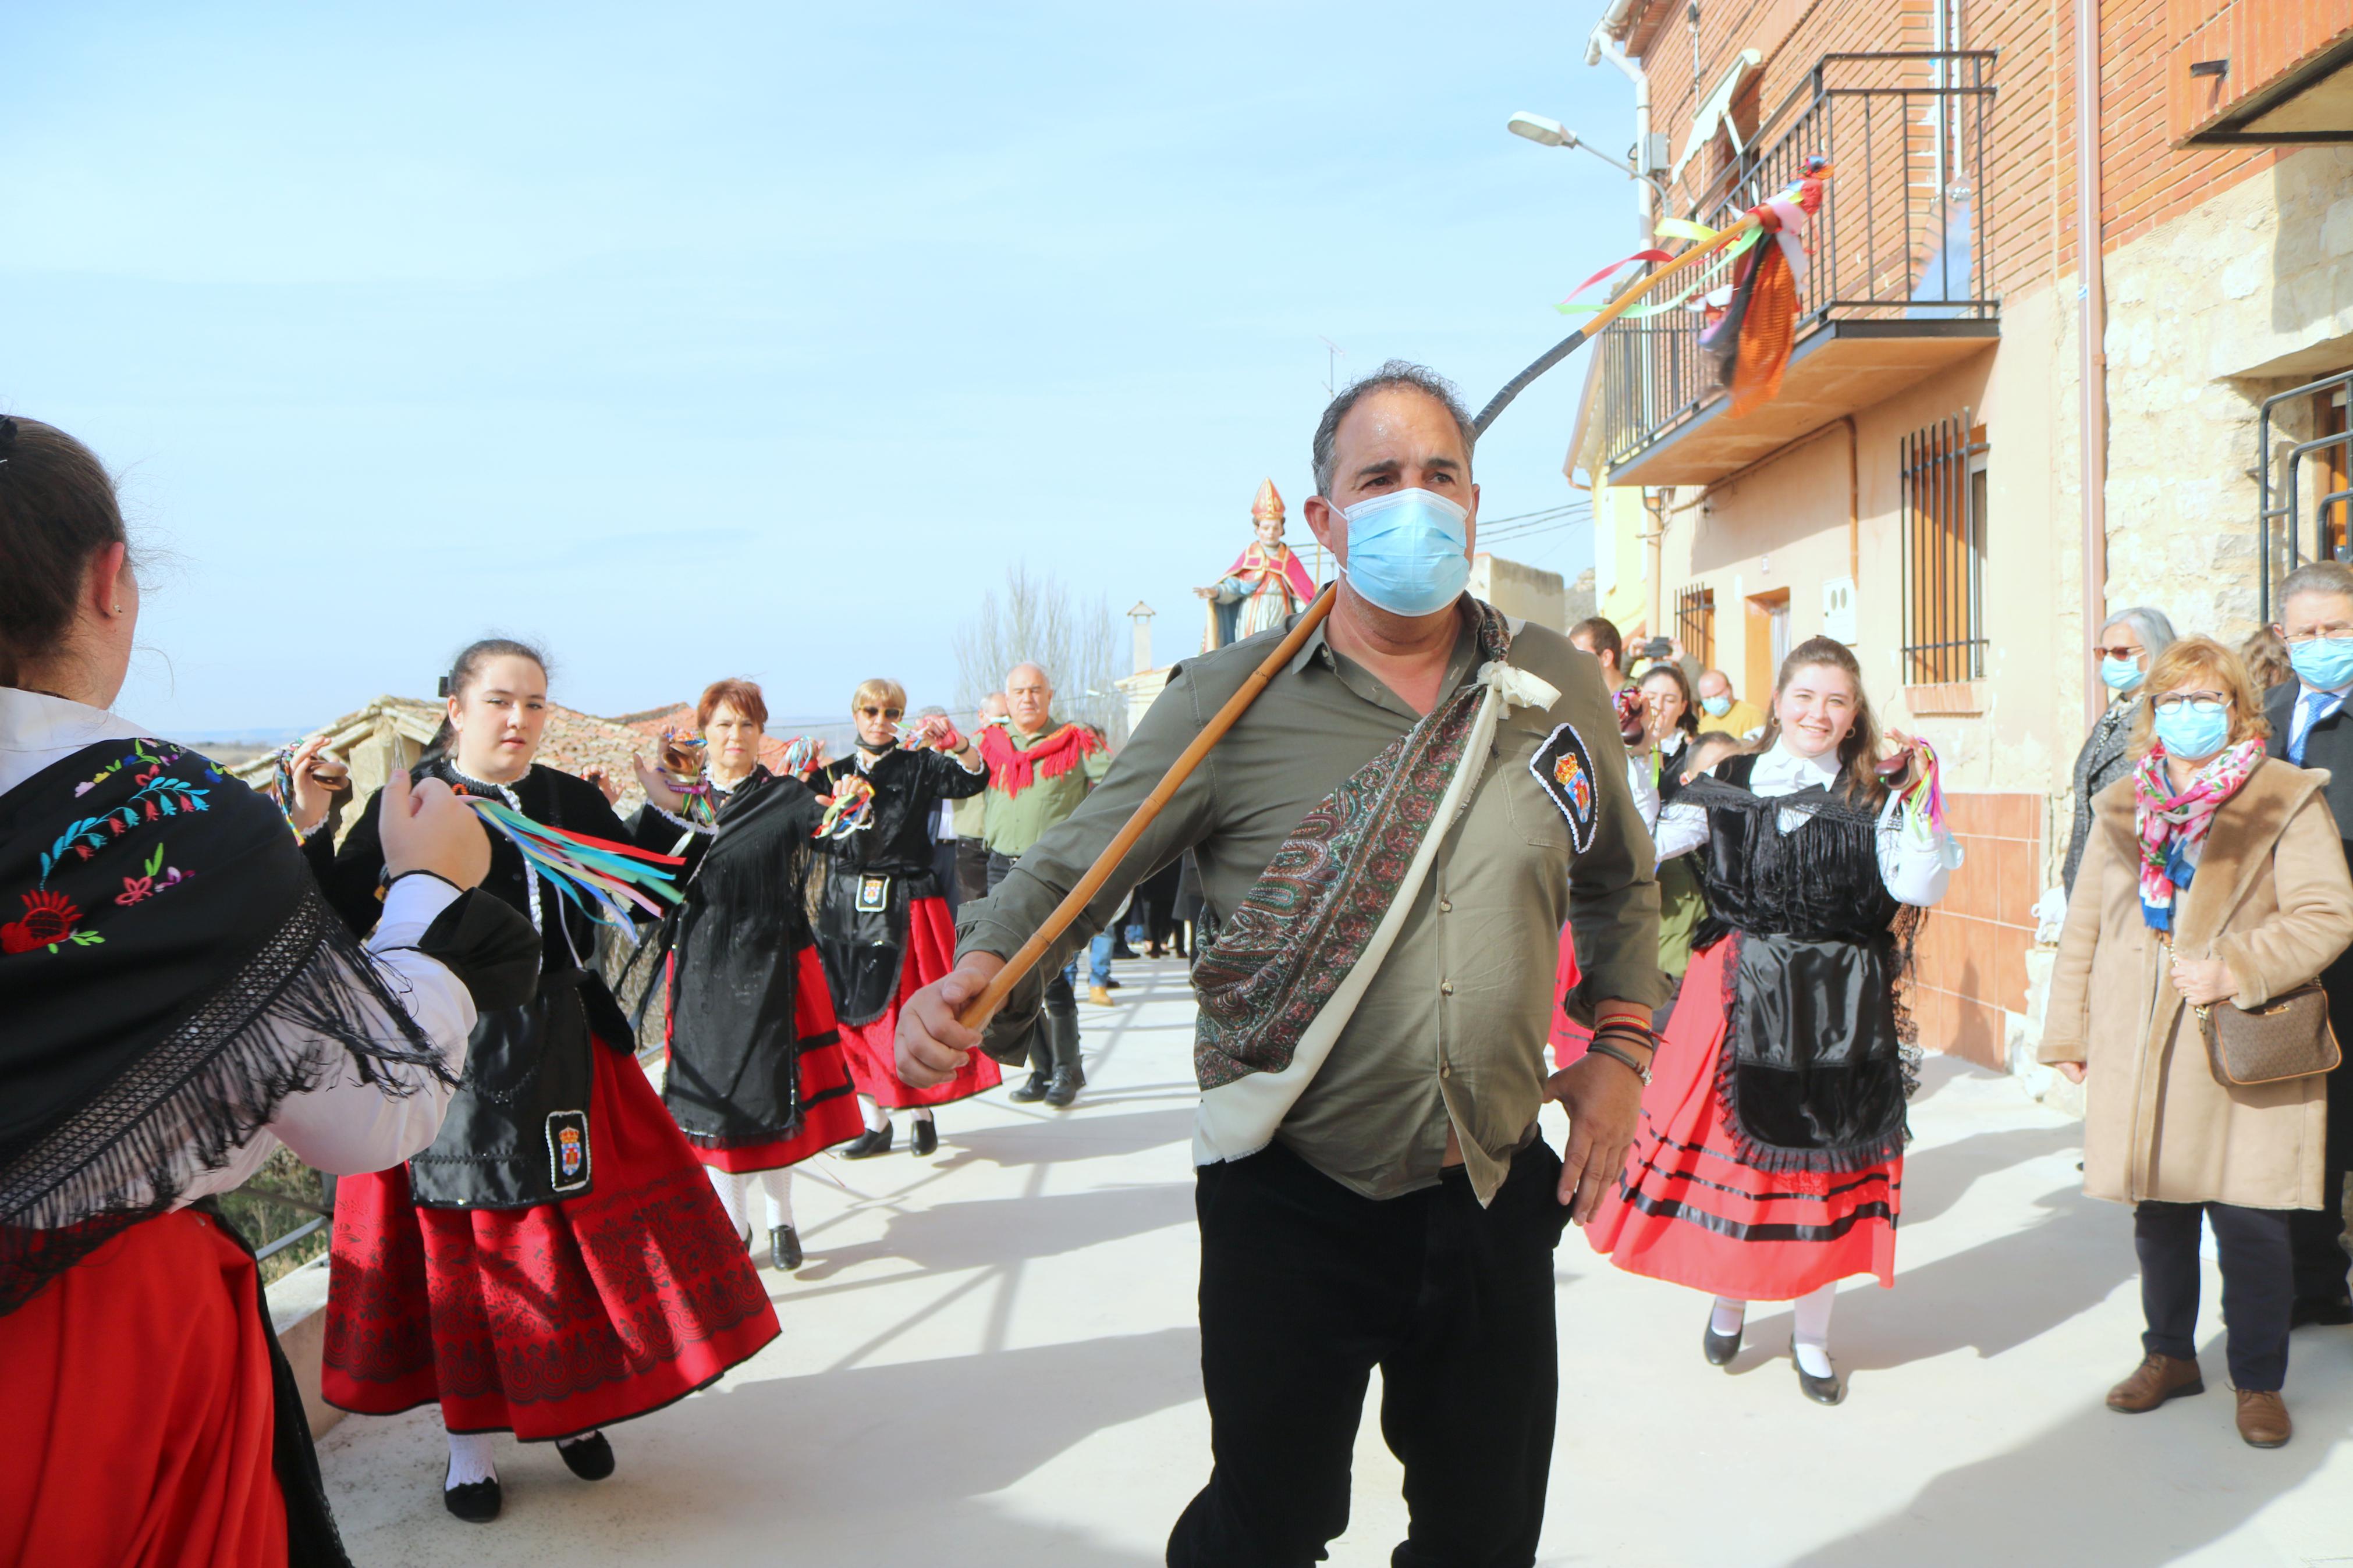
(1695, 624)
(1944, 552)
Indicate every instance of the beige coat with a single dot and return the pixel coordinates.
(2272, 901)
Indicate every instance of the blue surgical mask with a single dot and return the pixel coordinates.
(2121, 674)
(2194, 731)
(2323, 663)
(1406, 552)
(1717, 707)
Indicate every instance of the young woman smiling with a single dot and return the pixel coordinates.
(1771, 1160)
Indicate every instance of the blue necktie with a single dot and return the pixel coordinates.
(2315, 707)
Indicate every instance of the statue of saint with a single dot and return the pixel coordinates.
(1266, 585)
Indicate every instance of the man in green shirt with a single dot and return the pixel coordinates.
(1393, 835)
(1039, 771)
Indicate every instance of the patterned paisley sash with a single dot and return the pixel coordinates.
(1290, 963)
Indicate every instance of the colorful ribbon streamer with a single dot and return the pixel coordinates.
(1923, 801)
(803, 756)
(603, 880)
(849, 809)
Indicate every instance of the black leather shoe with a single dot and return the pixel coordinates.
(922, 1138)
(2329, 1309)
(476, 1502)
(1065, 1086)
(590, 1459)
(783, 1249)
(866, 1145)
(1720, 1349)
(1031, 1092)
(1828, 1390)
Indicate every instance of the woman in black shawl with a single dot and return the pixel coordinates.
(556, 1262)
(755, 1078)
(178, 1003)
(881, 924)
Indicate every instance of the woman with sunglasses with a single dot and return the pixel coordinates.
(2213, 875)
(2126, 644)
(883, 925)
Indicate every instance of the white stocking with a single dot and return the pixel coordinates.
(923, 1114)
(469, 1459)
(733, 1192)
(1728, 1316)
(876, 1116)
(1812, 1338)
(779, 1186)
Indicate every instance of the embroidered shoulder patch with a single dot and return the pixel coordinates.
(567, 1150)
(1564, 771)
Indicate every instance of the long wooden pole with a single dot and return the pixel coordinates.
(983, 1007)
(980, 1009)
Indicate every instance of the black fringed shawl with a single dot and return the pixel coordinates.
(168, 975)
(1817, 1062)
(734, 942)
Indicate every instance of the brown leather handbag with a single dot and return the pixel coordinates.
(2286, 1038)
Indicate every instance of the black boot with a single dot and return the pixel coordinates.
(1041, 1066)
(1070, 1076)
(866, 1145)
(783, 1249)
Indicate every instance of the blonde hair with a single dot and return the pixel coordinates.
(2205, 659)
(879, 690)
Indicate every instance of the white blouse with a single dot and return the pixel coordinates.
(1915, 868)
(345, 1126)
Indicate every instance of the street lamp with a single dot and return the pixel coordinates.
(1553, 133)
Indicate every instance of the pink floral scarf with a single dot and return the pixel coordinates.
(2170, 828)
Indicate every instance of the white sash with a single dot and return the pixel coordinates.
(1236, 1120)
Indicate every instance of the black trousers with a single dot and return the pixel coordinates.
(2322, 1266)
(972, 878)
(1060, 1000)
(2258, 1285)
(1305, 1287)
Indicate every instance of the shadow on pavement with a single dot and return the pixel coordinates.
(2121, 1491)
(1000, 1232)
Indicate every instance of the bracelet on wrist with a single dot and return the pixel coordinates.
(1602, 1048)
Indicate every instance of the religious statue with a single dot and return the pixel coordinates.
(1266, 585)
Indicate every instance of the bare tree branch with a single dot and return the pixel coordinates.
(1036, 619)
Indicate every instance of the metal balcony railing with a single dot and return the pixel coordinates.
(1901, 236)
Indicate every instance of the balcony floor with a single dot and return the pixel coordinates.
(990, 1359)
(1839, 368)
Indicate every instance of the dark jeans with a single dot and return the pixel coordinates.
(2257, 1285)
(1061, 999)
(1305, 1287)
(972, 880)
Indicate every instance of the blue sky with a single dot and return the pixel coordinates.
(715, 339)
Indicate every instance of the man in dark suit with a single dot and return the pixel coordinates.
(2312, 727)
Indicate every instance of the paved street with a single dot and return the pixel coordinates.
(989, 1359)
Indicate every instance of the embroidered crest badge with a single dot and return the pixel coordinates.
(1563, 769)
(874, 893)
(567, 1150)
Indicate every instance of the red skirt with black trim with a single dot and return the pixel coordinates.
(551, 1321)
(1687, 1211)
(872, 1047)
(829, 1112)
(136, 1395)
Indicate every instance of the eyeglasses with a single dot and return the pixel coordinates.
(2203, 703)
(881, 712)
(2120, 651)
(2318, 634)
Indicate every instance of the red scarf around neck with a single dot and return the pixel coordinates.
(1012, 770)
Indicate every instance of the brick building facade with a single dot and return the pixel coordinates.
(1918, 488)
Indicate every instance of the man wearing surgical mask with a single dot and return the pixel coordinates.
(2124, 647)
(1391, 838)
(2311, 728)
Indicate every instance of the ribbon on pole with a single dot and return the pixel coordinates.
(604, 880)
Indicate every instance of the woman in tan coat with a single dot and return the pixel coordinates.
(2213, 874)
